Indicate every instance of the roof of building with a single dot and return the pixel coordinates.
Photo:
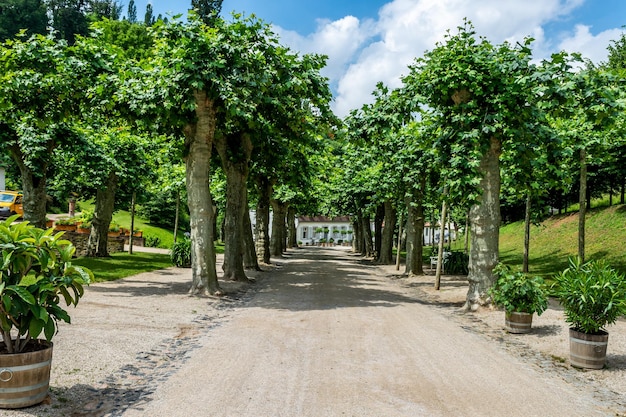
(324, 219)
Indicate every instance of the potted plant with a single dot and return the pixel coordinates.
(37, 275)
(593, 295)
(114, 229)
(520, 295)
(83, 223)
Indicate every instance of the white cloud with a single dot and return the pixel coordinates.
(593, 47)
(363, 53)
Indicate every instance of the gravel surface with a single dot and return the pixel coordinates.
(323, 333)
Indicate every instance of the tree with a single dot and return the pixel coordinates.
(69, 19)
(16, 15)
(149, 18)
(45, 87)
(132, 12)
(481, 94)
(208, 10)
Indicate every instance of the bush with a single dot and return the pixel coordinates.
(592, 294)
(519, 292)
(152, 241)
(457, 262)
(181, 253)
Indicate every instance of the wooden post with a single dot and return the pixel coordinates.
(132, 223)
(440, 254)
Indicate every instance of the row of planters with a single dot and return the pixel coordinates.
(82, 224)
(592, 294)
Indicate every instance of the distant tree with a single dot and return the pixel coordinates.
(99, 9)
(68, 19)
(132, 12)
(149, 16)
(16, 15)
(208, 10)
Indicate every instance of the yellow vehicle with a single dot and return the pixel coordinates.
(11, 203)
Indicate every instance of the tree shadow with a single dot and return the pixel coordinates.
(325, 280)
(546, 330)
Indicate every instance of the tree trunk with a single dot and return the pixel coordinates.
(250, 259)
(467, 233)
(292, 241)
(199, 142)
(622, 193)
(442, 238)
(284, 232)
(485, 226)
(356, 234)
(278, 228)
(415, 233)
(527, 233)
(235, 151)
(33, 188)
(583, 205)
(368, 247)
(98, 243)
(266, 188)
(379, 218)
(385, 252)
(399, 247)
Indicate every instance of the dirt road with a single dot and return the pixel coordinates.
(325, 334)
(328, 336)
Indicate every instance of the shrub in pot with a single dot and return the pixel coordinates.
(37, 276)
(593, 295)
(521, 295)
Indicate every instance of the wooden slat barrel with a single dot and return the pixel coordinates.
(25, 377)
(588, 350)
(516, 322)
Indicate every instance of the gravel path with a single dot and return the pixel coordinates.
(324, 333)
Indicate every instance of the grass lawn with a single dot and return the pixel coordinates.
(122, 265)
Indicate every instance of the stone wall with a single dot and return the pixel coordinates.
(79, 240)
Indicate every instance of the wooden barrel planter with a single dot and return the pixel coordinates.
(588, 350)
(516, 322)
(25, 377)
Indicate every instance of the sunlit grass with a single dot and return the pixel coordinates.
(122, 265)
(556, 239)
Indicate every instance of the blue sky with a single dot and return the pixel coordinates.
(369, 41)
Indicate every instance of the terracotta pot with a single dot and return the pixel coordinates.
(65, 227)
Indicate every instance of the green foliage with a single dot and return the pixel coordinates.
(152, 241)
(519, 292)
(16, 15)
(66, 221)
(181, 253)
(37, 275)
(592, 295)
(457, 262)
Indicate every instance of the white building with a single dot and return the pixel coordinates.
(313, 229)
